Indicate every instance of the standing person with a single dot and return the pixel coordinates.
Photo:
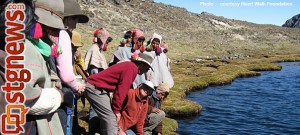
(93, 118)
(118, 79)
(95, 60)
(122, 53)
(64, 61)
(153, 121)
(128, 39)
(135, 108)
(80, 76)
(78, 60)
(138, 41)
(41, 98)
(161, 71)
(153, 43)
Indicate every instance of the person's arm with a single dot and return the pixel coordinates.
(64, 61)
(48, 102)
(150, 107)
(141, 121)
(40, 100)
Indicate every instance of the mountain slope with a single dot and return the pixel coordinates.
(191, 35)
(294, 22)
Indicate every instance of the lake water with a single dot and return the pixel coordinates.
(264, 105)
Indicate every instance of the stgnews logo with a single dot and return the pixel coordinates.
(16, 75)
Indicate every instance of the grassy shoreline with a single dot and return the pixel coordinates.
(193, 75)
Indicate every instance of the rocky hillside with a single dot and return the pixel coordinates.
(190, 35)
(294, 22)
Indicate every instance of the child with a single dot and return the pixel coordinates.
(153, 121)
(138, 39)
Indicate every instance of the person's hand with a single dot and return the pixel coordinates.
(155, 110)
(158, 133)
(121, 132)
(118, 117)
(81, 87)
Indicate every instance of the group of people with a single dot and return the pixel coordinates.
(125, 94)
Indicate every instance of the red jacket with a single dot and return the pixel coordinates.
(134, 112)
(117, 78)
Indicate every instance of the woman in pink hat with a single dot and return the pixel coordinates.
(95, 60)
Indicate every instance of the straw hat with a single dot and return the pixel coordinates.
(76, 39)
(72, 8)
(49, 13)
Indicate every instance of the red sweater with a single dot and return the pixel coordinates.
(118, 79)
(134, 112)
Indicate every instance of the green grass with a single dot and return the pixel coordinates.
(191, 75)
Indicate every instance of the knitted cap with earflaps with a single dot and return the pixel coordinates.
(162, 88)
(155, 35)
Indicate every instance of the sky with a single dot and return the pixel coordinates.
(275, 12)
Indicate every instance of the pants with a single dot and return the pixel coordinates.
(100, 101)
(129, 132)
(154, 119)
(94, 122)
(94, 70)
(66, 124)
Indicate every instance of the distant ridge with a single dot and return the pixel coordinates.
(294, 22)
(202, 34)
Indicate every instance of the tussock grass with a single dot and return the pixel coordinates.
(191, 75)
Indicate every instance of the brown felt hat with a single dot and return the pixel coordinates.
(49, 13)
(72, 8)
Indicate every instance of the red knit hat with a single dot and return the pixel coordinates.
(96, 32)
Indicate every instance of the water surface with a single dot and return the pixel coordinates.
(266, 104)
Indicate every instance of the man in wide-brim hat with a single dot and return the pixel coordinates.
(118, 79)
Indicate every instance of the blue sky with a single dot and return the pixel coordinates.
(267, 12)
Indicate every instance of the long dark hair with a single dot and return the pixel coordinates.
(29, 13)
